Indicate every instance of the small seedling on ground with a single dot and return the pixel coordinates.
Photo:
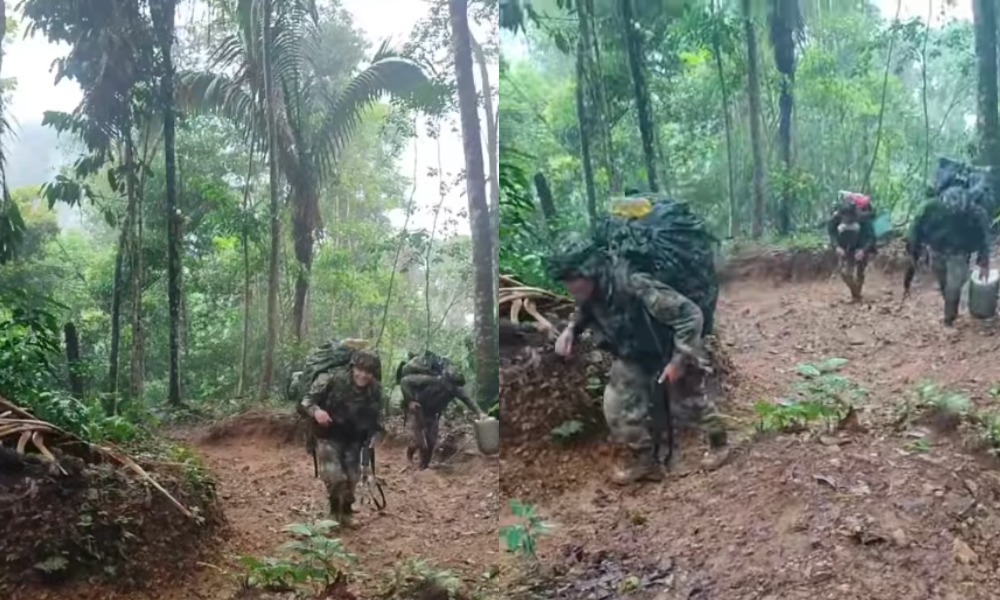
(568, 431)
(521, 538)
(821, 394)
(312, 562)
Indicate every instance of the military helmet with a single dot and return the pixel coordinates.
(575, 256)
(366, 361)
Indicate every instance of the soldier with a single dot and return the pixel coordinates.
(852, 234)
(345, 405)
(428, 385)
(655, 334)
(954, 226)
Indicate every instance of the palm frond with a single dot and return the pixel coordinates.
(388, 74)
(203, 92)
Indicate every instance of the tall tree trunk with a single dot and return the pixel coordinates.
(726, 119)
(545, 199)
(987, 118)
(756, 136)
(117, 296)
(73, 363)
(923, 91)
(305, 222)
(137, 367)
(245, 240)
(163, 12)
(273, 276)
(583, 116)
(633, 44)
(785, 19)
(487, 343)
(866, 185)
(493, 148)
(602, 122)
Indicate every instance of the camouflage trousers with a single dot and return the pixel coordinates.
(952, 271)
(340, 470)
(637, 419)
(422, 424)
(852, 271)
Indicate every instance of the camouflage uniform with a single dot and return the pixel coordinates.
(954, 228)
(426, 395)
(356, 418)
(851, 232)
(642, 322)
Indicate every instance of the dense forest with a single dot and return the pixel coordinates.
(757, 113)
(809, 444)
(242, 187)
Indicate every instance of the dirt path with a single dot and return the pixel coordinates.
(445, 515)
(849, 515)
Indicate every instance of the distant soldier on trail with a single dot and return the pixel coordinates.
(429, 383)
(852, 234)
(955, 223)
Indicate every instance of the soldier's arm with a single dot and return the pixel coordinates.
(983, 225)
(675, 310)
(312, 399)
(831, 228)
(460, 393)
(582, 319)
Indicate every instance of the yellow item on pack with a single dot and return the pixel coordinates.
(631, 208)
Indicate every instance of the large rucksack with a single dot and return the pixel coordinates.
(329, 356)
(664, 238)
(975, 182)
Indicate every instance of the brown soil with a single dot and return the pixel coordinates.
(92, 519)
(445, 515)
(791, 264)
(854, 514)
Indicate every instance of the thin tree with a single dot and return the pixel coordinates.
(987, 119)
(756, 129)
(636, 65)
(483, 252)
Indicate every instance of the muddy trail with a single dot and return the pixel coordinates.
(892, 505)
(445, 515)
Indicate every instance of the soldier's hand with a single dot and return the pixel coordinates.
(322, 417)
(840, 252)
(671, 373)
(984, 273)
(564, 345)
(859, 255)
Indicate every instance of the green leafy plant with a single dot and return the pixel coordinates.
(311, 562)
(568, 431)
(822, 394)
(521, 538)
(416, 578)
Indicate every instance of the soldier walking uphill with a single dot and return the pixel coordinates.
(954, 225)
(654, 333)
(345, 405)
(853, 237)
(428, 384)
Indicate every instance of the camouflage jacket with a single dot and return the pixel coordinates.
(356, 412)
(640, 319)
(852, 233)
(447, 387)
(952, 224)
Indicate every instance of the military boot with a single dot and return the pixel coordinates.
(718, 449)
(643, 466)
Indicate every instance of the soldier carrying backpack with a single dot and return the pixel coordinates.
(645, 285)
(339, 392)
(852, 233)
(955, 223)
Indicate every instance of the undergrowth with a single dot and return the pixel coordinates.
(312, 564)
(521, 538)
(820, 395)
